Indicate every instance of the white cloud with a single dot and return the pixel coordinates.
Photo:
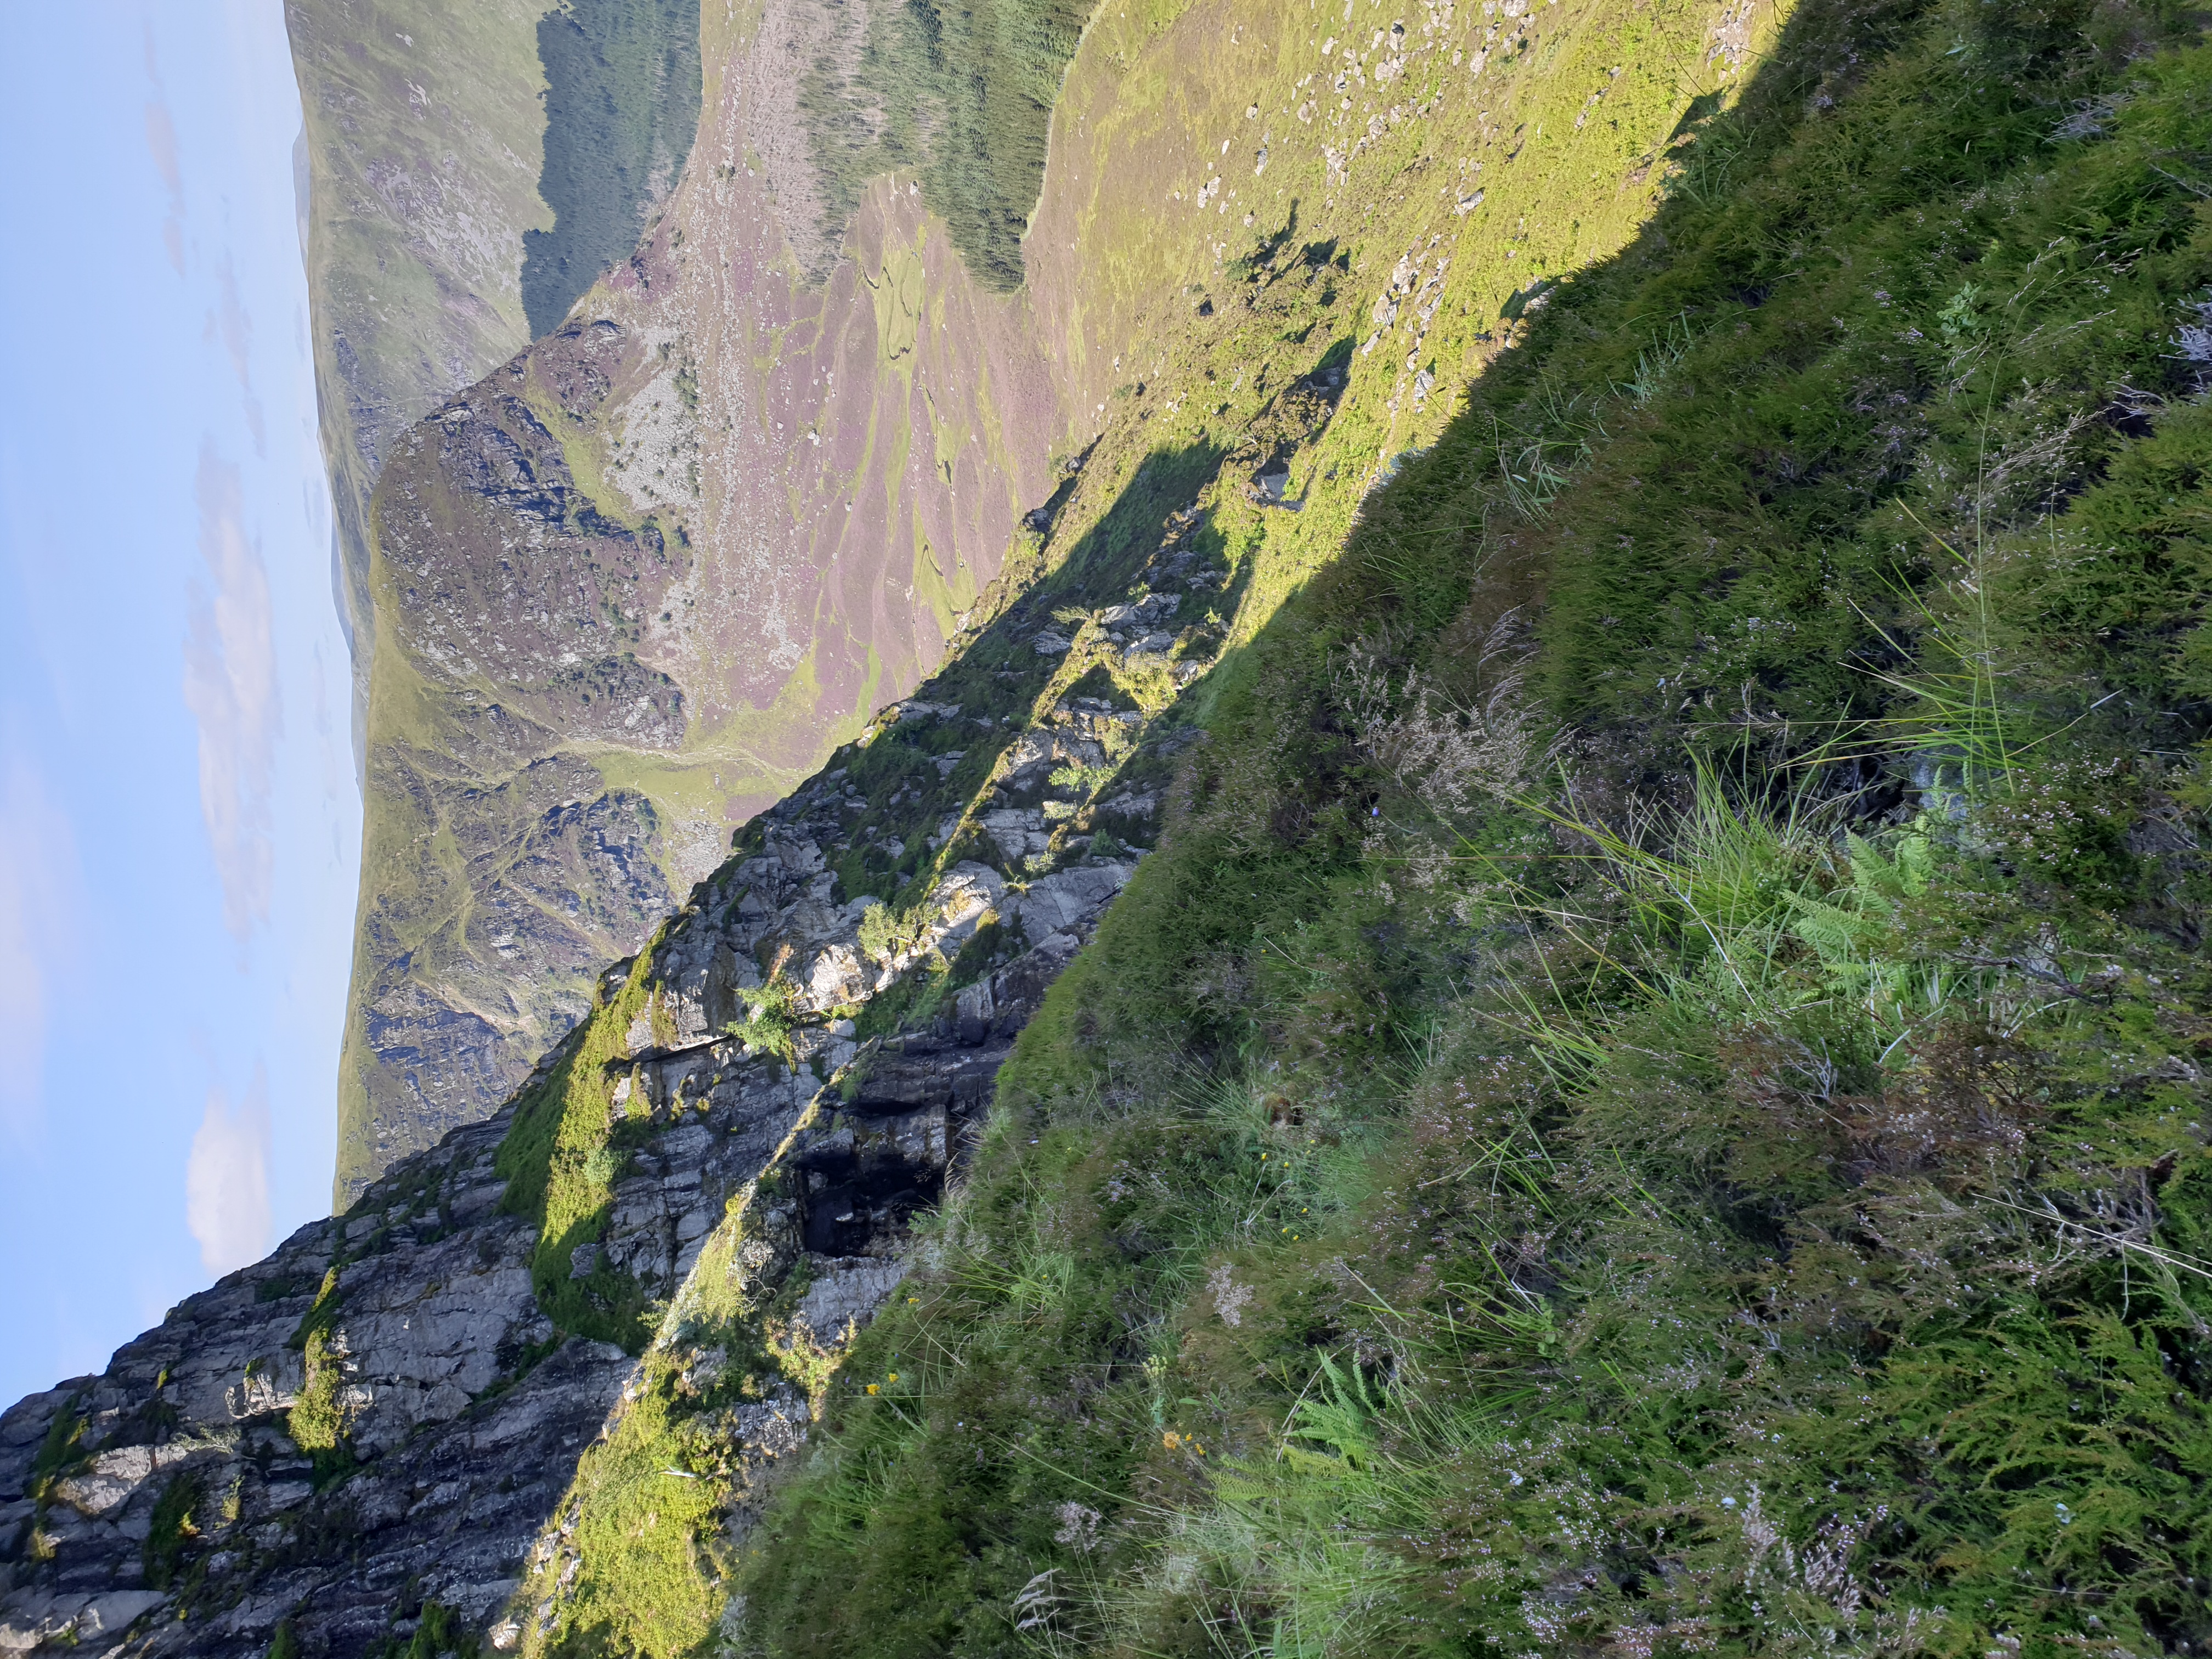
(41, 895)
(230, 686)
(226, 1179)
(235, 329)
(162, 144)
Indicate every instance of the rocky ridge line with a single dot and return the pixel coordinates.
(169, 1505)
(380, 1425)
(165, 1505)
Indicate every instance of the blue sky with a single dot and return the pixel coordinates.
(179, 821)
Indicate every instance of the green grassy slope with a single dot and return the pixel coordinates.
(1651, 1099)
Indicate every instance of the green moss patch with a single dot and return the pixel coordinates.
(561, 1157)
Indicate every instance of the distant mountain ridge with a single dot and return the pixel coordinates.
(424, 146)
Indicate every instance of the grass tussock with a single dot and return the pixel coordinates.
(642, 1499)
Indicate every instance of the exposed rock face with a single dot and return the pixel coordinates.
(439, 1317)
(169, 1500)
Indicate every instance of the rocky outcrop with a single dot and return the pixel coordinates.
(171, 1481)
(193, 1497)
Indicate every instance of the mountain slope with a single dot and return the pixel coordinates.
(994, 808)
(422, 139)
(773, 502)
(436, 167)
(1647, 1097)
(1651, 1097)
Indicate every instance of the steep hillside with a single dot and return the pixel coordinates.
(1564, 1015)
(758, 505)
(1652, 1097)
